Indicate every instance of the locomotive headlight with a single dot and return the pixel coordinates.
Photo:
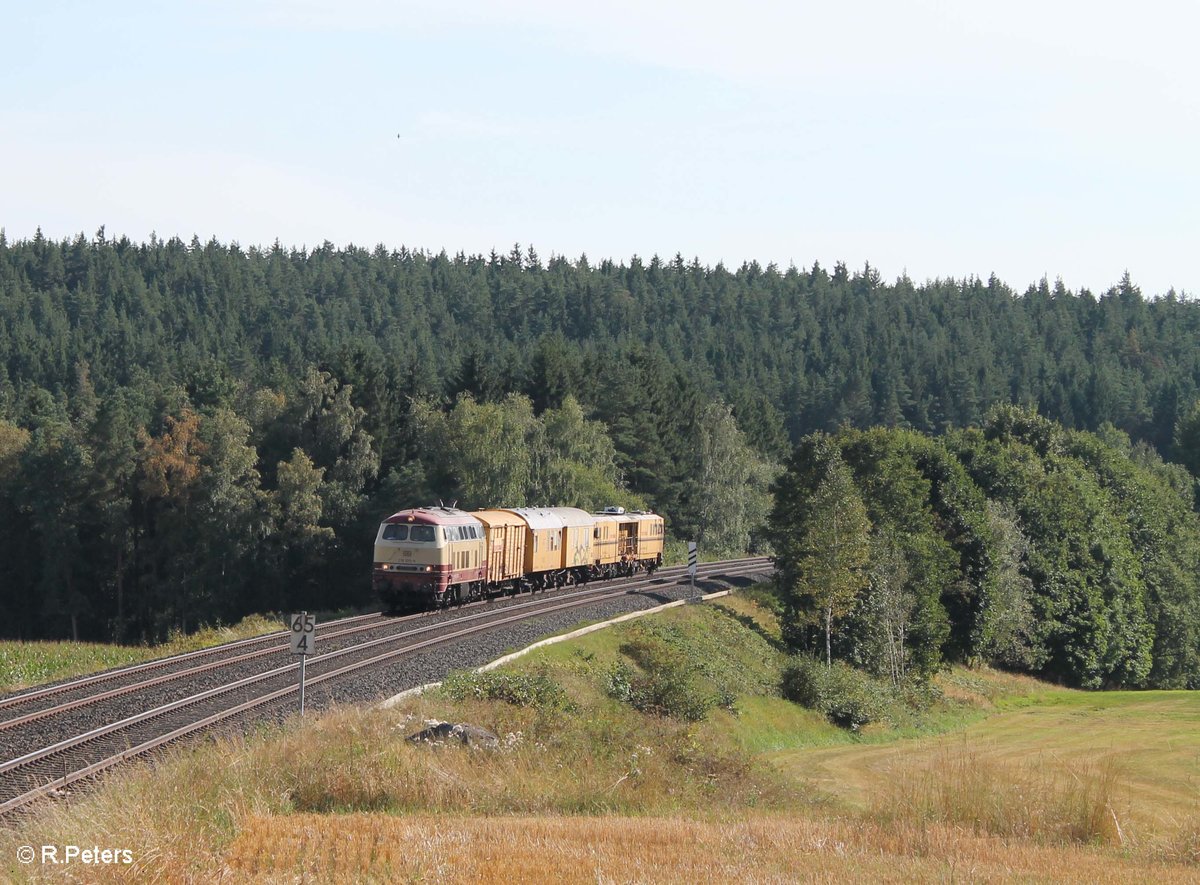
(428, 568)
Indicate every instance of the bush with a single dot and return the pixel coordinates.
(848, 697)
(668, 691)
(665, 682)
(536, 690)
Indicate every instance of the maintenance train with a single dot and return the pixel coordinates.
(431, 557)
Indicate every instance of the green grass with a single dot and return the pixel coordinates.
(763, 724)
(732, 647)
(1140, 751)
(23, 664)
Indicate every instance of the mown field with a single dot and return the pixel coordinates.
(661, 750)
(1136, 753)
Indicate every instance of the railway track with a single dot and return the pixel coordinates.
(65, 733)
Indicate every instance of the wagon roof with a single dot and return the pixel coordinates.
(434, 516)
(641, 517)
(498, 517)
(628, 516)
(572, 516)
(538, 517)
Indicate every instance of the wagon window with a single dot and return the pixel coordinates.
(421, 533)
(395, 532)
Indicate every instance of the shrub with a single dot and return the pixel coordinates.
(665, 682)
(848, 697)
(537, 690)
(665, 691)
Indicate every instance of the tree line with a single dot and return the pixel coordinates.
(790, 350)
(156, 507)
(197, 430)
(1064, 553)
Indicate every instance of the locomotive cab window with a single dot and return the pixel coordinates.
(421, 533)
(395, 532)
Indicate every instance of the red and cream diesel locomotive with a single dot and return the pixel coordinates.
(427, 557)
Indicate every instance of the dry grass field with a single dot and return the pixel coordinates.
(756, 848)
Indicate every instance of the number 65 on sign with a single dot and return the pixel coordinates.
(303, 636)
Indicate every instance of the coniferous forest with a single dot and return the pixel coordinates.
(193, 431)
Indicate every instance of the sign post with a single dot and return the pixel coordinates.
(692, 562)
(303, 636)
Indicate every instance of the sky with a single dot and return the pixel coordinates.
(930, 139)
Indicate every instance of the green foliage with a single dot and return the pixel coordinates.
(575, 461)
(538, 690)
(731, 489)
(848, 697)
(684, 670)
(1022, 543)
(900, 624)
(664, 680)
(1006, 627)
(1089, 593)
(150, 392)
(481, 447)
(669, 691)
(1186, 440)
(820, 531)
(503, 455)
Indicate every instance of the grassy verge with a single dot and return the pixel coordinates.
(23, 664)
(662, 750)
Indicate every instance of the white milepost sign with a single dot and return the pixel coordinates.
(303, 627)
(303, 631)
(692, 561)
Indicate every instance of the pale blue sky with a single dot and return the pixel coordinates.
(1024, 138)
